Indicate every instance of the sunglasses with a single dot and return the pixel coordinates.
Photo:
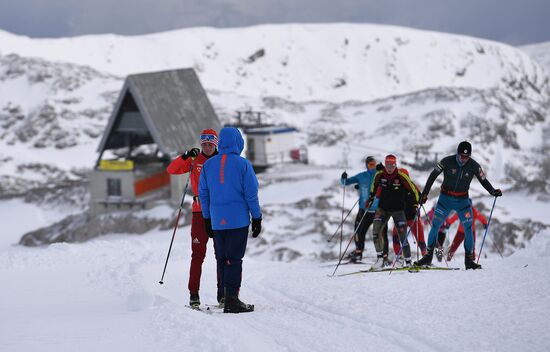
(208, 138)
(371, 164)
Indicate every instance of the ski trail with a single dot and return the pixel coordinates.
(350, 328)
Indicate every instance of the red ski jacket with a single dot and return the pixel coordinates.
(179, 166)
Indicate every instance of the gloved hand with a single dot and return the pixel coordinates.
(344, 175)
(379, 167)
(193, 153)
(496, 193)
(208, 227)
(485, 226)
(256, 227)
(423, 198)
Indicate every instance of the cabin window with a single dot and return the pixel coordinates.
(114, 188)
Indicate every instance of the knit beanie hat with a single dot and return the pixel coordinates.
(464, 148)
(209, 136)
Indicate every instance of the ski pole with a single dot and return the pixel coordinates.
(416, 221)
(342, 227)
(176, 224)
(404, 240)
(498, 249)
(351, 239)
(338, 228)
(486, 229)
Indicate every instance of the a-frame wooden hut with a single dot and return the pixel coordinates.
(157, 115)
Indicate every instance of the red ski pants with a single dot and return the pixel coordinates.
(459, 237)
(418, 234)
(199, 239)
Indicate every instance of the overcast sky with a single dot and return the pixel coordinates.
(513, 21)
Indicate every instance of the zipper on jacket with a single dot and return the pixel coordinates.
(459, 177)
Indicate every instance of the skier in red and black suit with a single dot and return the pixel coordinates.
(458, 172)
(393, 189)
(413, 221)
(459, 237)
(195, 159)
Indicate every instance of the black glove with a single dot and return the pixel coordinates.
(496, 193)
(485, 226)
(193, 153)
(379, 167)
(208, 228)
(344, 175)
(423, 198)
(356, 186)
(256, 227)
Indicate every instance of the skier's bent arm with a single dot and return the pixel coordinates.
(431, 179)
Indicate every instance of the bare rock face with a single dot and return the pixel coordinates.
(84, 226)
(55, 115)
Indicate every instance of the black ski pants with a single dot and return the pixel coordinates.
(362, 227)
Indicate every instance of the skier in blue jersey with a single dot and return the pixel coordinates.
(458, 172)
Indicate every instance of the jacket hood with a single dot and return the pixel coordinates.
(231, 141)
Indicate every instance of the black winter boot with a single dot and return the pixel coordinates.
(356, 256)
(221, 299)
(426, 259)
(194, 300)
(469, 262)
(234, 305)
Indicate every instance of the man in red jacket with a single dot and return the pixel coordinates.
(193, 160)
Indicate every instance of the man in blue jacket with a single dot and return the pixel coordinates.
(228, 192)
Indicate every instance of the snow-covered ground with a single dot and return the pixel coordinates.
(104, 295)
(540, 52)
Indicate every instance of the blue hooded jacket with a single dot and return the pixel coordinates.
(228, 187)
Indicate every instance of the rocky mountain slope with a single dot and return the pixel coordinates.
(352, 90)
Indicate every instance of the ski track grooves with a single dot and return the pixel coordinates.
(401, 340)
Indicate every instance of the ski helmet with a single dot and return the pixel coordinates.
(464, 148)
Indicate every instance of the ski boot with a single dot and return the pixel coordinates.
(427, 259)
(385, 261)
(356, 257)
(221, 299)
(439, 254)
(469, 262)
(234, 305)
(194, 300)
(379, 263)
(399, 263)
(408, 263)
(450, 255)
